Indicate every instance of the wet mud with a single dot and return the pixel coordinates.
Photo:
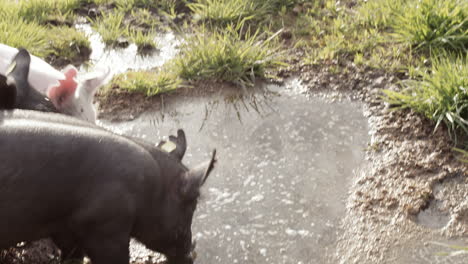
(413, 191)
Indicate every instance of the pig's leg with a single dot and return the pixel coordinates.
(104, 223)
(108, 249)
(69, 246)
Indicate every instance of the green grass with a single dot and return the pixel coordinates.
(454, 249)
(337, 33)
(143, 18)
(144, 40)
(224, 55)
(31, 36)
(39, 11)
(463, 156)
(441, 93)
(224, 12)
(128, 5)
(398, 36)
(111, 26)
(389, 34)
(66, 43)
(23, 24)
(146, 82)
(380, 14)
(434, 24)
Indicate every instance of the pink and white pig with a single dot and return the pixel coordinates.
(71, 94)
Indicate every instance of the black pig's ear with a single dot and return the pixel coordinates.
(196, 177)
(17, 73)
(181, 144)
(177, 145)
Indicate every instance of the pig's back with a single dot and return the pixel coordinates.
(50, 172)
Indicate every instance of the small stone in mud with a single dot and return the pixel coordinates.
(146, 49)
(286, 34)
(93, 12)
(122, 42)
(297, 10)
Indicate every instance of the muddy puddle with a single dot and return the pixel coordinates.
(124, 59)
(278, 192)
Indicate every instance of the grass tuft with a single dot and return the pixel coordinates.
(434, 24)
(463, 156)
(224, 12)
(143, 40)
(68, 44)
(225, 55)
(111, 26)
(23, 24)
(441, 93)
(39, 11)
(380, 14)
(30, 36)
(149, 83)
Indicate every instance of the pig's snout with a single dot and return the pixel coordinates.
(194, 245)
(187, 259)
(180, 260)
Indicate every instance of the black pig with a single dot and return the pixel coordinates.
(91, 188)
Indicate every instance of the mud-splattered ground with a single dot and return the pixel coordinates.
(414, 191)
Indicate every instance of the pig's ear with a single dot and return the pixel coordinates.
(196, 177)
(176, 146)
(70, 72)
(18, 71)
(62, 93)
(93, 81)
(180, 142)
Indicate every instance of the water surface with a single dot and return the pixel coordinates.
(278, 192)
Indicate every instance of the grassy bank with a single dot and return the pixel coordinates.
(44, 28)
(438, 92)
(149, 83)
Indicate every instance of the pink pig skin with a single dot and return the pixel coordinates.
(41, 74)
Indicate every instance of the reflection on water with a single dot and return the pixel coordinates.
(123, 59)
(237, 105)
(284, 163)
